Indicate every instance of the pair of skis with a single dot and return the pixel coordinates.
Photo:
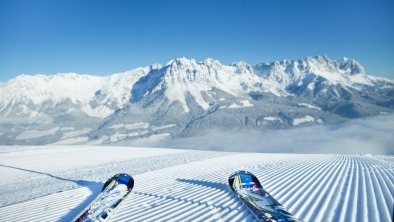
(246, 185)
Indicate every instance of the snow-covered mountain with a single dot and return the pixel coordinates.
(182, 77)
(28, 95)
(185, 96)
(340, 86)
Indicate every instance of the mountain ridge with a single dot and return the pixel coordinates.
(185, 96)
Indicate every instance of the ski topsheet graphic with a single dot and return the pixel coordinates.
(263, 206)
(114, 191)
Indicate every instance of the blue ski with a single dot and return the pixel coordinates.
(114, 191)
(262, 205)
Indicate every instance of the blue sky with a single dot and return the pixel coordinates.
(104, 37)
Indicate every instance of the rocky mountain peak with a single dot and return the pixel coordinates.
(351, 66)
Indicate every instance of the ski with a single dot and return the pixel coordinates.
(262, 205)
(114, 191)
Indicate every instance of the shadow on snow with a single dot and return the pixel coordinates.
(209, 184)
(207, 203)
(94, 187)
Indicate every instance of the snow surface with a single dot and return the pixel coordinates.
(47, 184)
(157, 128)
(272, 118)
(73, 140)
(308, 106)
(302, 120)
(138, 125)
(241, 104)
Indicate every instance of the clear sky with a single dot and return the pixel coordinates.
(104, 37)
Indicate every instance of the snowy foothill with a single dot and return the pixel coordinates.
(139, 125)
(29, 134)
(305, 119)
(308, 106)
(53, 183)
(243, 103)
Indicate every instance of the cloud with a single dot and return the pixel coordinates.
(373, 135)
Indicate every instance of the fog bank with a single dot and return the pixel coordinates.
(373, 135)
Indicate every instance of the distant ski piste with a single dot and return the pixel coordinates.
(39, 184)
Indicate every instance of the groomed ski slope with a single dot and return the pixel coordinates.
(192, 185)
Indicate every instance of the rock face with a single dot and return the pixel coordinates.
(184, 97)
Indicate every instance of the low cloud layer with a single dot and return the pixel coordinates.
(373, 135)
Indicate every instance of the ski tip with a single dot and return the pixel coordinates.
(241, 172)
(121, 178)
(242, 178)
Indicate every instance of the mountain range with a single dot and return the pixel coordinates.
(185, 97)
